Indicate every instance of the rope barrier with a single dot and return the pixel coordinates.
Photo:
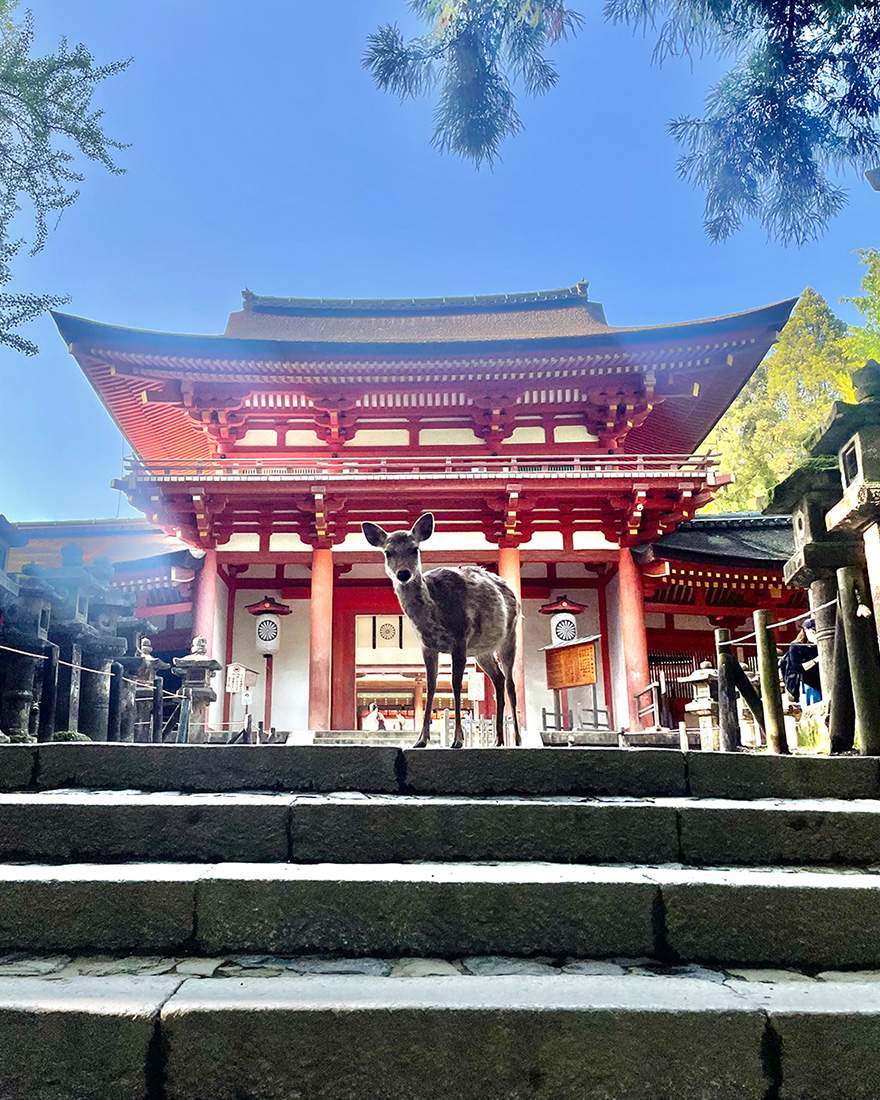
(785, 622)
(85, 668)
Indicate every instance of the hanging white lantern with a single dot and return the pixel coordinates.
(267, 613)
(563, 627)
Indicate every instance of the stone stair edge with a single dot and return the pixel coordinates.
(739, 916)
(125, 827)
(196, 1037)
(593, 769)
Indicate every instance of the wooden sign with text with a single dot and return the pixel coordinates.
(570, 666)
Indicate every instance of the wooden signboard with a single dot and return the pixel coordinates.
(571, 665)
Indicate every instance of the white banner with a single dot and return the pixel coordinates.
(476, 686)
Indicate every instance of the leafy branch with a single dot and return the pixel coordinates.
(474, 51)
(46, 118)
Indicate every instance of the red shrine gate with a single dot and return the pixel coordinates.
(547, 443)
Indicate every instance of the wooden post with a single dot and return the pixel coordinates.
(864, 661)
(321, 639)
(750, 697)
(634, 634)
(158, 707)
(185, 711)
(205, 600)
(49, 695)
(114, 711)
(842, 718)
(418, 703)
(728, 718)
(771, 693)
(510, 570)
(267, 703)
(821, 592)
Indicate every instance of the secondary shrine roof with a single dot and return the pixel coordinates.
(120, 540)
(762, 541)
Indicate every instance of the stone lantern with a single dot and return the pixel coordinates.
(852, 433)
(25, 628)
(807, 494)
(704, 704)
(196, 670)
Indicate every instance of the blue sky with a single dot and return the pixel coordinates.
(261, 156)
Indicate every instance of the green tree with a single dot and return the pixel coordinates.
(764, 433)
(863, 342)
(801, 100)
(46, 119)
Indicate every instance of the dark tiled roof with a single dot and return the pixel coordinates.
(480, 303)
(765, 542)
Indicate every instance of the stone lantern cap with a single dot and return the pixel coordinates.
(703, 675)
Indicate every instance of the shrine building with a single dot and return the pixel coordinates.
(554, 449)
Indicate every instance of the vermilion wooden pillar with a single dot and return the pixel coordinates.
(321, 639)
(205, 600)
(635, 637)
(509, 570)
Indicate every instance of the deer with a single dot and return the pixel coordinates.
(465, 611)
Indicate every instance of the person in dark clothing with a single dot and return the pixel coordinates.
(800, 666)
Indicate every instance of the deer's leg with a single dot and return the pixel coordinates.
(432, 659)
(459, 660)
(490, 666)
(508, 659)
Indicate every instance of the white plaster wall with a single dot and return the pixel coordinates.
(448, 437)
(287, 541)
(241, 541)
(440, 540)
(290, 699)
(615, 652)
(290, 695)
(692, 622)
(536, 635)
(544, 540)
(380, 437)
(257, 437)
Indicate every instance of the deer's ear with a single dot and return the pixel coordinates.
(423, 527)
(375, 535)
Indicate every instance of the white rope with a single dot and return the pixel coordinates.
(785, 622)
(84, 668)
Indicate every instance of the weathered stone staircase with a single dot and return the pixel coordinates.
(307, 923)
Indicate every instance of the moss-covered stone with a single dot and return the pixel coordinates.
(813, 733)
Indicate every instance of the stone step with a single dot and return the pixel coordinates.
(737, 916)
(587, 771)
(108, 826)
(446, 1038)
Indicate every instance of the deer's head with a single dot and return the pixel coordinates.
(403, 563)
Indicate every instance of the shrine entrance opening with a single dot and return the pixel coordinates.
(390, 678)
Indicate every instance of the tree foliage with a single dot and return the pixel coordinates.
(473, 52)
(863, 342)
(763, 435)
(800, 103)
(46, 120)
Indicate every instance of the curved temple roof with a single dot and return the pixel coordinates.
(508, 344)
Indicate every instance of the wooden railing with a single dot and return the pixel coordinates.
(469, 467)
